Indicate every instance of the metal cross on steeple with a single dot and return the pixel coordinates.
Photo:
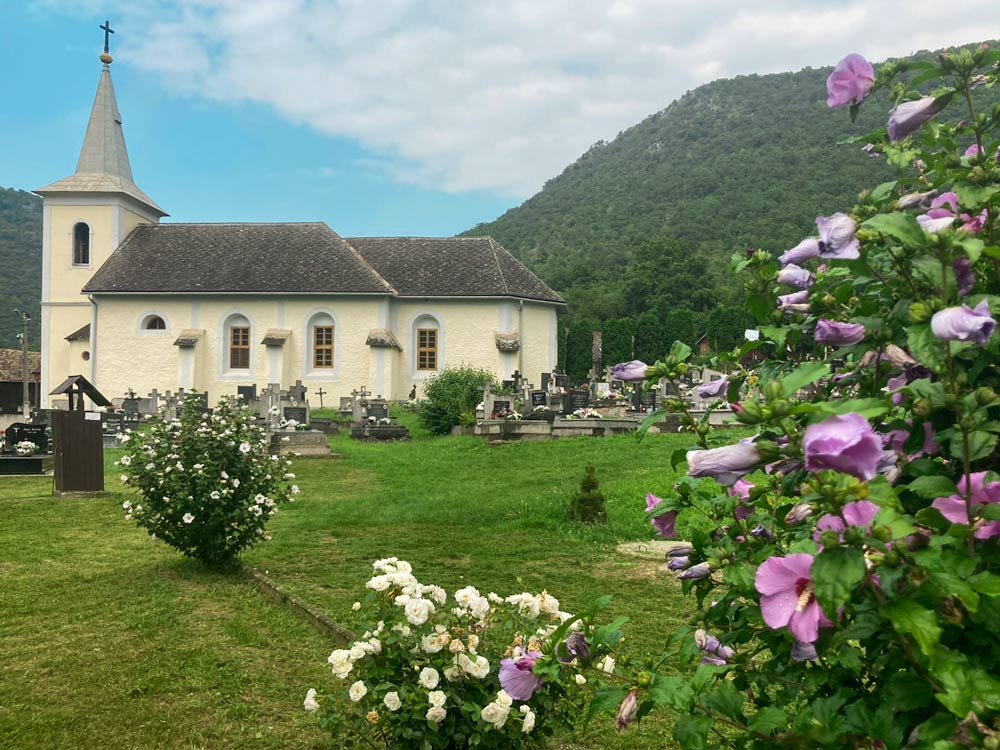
(106, 28)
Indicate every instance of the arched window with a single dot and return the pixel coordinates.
(321, 334)
(426, 342)
(154, 323)
(238, 341)
(81, 244)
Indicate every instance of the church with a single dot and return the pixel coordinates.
(133, 303)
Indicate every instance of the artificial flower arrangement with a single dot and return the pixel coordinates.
(585, 413)
(507, 414)
(430, 671)
(25, 448)
(611, 395)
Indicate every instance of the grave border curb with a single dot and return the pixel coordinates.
(313, 616)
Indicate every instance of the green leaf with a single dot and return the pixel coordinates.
(605, 700)
(652, 418)
(692, 732)
(973, 247)
(866, 407)
(981, 444)
(907, 691)
(926, 347)
(767, 719)
(932, 487)
(775, 334)
(671, 691)
(883, 191)
(973, 196)
(805, 374)
(985, 583)
(909, 618)
(725, 699)
(679, 351)
(739, 576)
(898, 226)
(836, 572)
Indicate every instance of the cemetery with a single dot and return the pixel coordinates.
(790, 544)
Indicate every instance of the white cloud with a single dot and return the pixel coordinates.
(501, 95)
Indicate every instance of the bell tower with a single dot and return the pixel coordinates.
(84, 218)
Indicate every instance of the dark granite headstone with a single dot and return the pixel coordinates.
(378, 409)
(247, 392)
(509, 385)
(41, 416)
(576, 400)
(113, 422)
(538, 398)
(498, 407)
(130, 408)
(20, 431)
(546, 377)
(298, 413)
(562, 381)
(647, 400)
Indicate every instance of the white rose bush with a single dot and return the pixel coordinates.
(845, 558)
(206, 481)
(468, 670)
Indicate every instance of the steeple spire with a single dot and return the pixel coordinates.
(103, 166)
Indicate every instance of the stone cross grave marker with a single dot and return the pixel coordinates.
(320, 392)
(298, 392)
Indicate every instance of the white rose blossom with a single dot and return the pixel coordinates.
(310, 704)
(429, 678)
(437, 697)
(392, 701)
(357, 691)
(436, 714)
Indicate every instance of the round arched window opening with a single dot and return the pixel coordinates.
(81, 244)
(86, 356)
(154, 323)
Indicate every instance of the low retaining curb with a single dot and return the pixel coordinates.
(313, 616)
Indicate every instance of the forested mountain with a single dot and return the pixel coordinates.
(639, 230)
(20, 265)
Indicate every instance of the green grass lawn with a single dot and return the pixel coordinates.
(111, 640)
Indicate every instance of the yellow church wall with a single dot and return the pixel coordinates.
(66, 280)
(539, 344)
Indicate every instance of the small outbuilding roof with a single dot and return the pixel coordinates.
(12, 366)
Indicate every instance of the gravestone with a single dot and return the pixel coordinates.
(561, 380)
(577, 399)
(546, 378)
(21, 431)
(538, 398)
(346, 404)
(41, 416)
(499, 406)
(377, 409)
(247, 392)
(645, 400)
(509, 385)
(297, 392)
(130, 409)
(299, 413)
(112, 423)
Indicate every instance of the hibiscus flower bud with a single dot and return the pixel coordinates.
(909, 116)
(985, 396)
(845, 443)
(835, 333)
(696, 572)
(627, 710)
(726, 464)
(630, 372)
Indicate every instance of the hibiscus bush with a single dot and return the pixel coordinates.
(470, 671)
(206, 482)
(848, 591)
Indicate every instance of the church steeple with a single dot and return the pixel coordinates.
(103, 166)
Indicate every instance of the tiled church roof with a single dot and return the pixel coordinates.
(236, 258)
(310, 259)
(451, 267)
(11, 364)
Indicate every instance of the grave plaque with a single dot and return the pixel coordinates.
(20, 431)
(537, 398)
(509, 385)
(113, 422)
(498, 407)
(299, 413)
(130, 407)
(562, 381)
(576, 400)
(647, 400)
(378, 409)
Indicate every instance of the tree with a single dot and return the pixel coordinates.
(617, 335)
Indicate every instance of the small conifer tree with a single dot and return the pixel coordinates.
(587, 503)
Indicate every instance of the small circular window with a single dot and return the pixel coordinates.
(154, 323)
(86, 356)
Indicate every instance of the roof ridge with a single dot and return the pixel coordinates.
(240, 224)
(496, 257)
(364, 261)
(415, 237)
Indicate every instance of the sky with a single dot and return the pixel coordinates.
(399, 117)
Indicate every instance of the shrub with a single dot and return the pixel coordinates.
(847, 597)
(479, 671)
(587, 504)
(451, 392)
(207, 483)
